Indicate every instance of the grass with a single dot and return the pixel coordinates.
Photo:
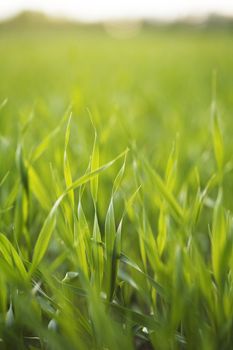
(116, 190)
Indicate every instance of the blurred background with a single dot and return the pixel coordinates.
(143, 68)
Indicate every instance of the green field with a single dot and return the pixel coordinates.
(116, 209)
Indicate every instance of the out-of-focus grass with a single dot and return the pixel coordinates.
(137, 253)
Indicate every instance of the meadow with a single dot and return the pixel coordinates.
(116, 210)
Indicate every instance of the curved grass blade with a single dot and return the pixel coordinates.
(11, 256)
(44, 144)
(38, 189)
(166, 194)
(126, 260)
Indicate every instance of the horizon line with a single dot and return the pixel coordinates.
(163, 19)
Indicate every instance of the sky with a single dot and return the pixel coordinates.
(91, 10)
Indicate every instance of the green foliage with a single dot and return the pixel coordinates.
(103, 248)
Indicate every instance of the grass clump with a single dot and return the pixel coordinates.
(112, 234)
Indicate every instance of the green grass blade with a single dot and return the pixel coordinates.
(37, 188)
(66, 164)
(166, 194)
(11, 256)
(94, 166)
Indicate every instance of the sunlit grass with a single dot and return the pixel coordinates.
(116, 191)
